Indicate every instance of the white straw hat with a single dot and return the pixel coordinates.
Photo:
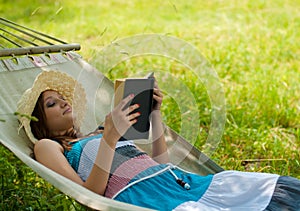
(61, 82)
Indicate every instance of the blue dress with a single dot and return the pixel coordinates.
(137, 179)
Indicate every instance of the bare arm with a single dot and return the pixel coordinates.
(50, 154)
(117, 122)
(159, 146)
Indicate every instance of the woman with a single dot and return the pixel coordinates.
(119, 170)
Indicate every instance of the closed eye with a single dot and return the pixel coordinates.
(50, 104)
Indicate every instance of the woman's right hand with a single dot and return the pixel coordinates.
(119, 121)
(116, 124)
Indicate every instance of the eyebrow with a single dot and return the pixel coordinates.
(48, 98)
(51, 96)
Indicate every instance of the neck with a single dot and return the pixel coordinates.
(68, 132)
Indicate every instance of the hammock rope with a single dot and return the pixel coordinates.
(16, 40)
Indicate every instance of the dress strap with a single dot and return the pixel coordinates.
(168, 167)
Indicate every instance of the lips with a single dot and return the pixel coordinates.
(68, 110)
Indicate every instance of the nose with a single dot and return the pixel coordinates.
(63, 103)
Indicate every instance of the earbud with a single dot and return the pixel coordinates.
(183, 184)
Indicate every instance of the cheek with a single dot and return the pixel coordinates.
(52, 117)
(56, 121)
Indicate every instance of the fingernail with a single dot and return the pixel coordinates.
(137, 105)
(131, 95)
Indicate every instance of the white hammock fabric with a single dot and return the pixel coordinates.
(18, 74)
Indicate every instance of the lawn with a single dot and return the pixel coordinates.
(253, 46)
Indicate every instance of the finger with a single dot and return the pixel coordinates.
(157, 99)
(127, 112)
(133, 116)
(131, 108)
(125, 101)
(157, 90)
(158, 93)
(132, 122)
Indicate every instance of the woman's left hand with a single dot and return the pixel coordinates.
(157, 97)
(159, 146)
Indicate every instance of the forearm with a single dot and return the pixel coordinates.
(116, 124)
(98, 178)
(159, 145)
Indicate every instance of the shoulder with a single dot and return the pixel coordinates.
(49, 144)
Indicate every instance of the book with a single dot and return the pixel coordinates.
(142, 88)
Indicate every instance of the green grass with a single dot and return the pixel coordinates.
(254, 46)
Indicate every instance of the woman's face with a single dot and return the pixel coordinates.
(58, 113)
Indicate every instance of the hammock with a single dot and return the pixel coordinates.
(18, 68)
